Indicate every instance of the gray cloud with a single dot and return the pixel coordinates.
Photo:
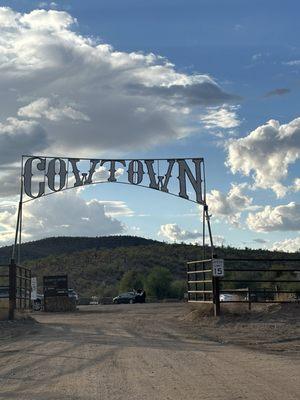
(206, 93)
(20, 137)
(108, 100)
(277, 92)
(260, 241)
(10, 182)
(65, 214)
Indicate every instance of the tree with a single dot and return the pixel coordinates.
(158, 282)
(178, 288)
(131, 280)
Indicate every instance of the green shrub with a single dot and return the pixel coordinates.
(131, 280)
(158, 282)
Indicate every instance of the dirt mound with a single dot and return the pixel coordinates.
(274, 327)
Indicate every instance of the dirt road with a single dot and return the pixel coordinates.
(136, 352)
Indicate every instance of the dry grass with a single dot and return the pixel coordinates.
(268, 327)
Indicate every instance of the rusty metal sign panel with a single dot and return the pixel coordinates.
(181, 177)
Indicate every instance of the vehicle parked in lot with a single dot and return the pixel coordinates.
(228, 297)
(73, 295)
(135, 296)
(125, 298)
(38, 303)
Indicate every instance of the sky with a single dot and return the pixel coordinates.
(161, 79)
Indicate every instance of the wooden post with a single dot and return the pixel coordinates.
(216, 296)
(12, 289)
(249, 299)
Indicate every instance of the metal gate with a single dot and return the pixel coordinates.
(202, 286)
(19, 289)
(256, 280)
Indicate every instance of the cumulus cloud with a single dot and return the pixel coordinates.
(229, 206)
(174, 233)
(20, 137)
(107, 98)
(66, 214)
(280, 218)
(288, 245)
(46, 108)
(296, 186)
(266, 153)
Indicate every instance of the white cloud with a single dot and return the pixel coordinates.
(115, 208)
(174, 233)
(287, 245)
(46, 108)
(267, 152)
(224, 117)
(296, 187)
(280, 218)
(292, 63)
(231, 205)
(65, 214)
(119, 100)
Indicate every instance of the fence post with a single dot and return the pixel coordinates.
(216, 295)
(249, 299)
(12, 288)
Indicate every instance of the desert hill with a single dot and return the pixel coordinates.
(97, 265)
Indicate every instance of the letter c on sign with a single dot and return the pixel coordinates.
(41, 165)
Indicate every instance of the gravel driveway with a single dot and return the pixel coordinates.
(136, 352)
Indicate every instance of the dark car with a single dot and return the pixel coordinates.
(73, 295)
(125, 298)
(38, 303)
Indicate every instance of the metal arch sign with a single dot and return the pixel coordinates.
(181, 177)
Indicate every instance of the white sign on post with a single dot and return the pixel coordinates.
(218, 267)
(33, 288)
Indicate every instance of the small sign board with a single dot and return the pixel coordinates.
(33, 288)
(55, 285)
(218, 267)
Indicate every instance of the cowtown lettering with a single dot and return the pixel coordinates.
(57, 174)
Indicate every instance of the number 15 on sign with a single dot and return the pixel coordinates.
(218, 267)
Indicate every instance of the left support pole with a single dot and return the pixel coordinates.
(12, 265)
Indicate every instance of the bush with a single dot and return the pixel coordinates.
(178, 288)
(131, 280)
(158, 283)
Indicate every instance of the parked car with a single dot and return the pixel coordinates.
(73, 295)
(228, 297)
(134, 296)
(38, 303)
(125, 298)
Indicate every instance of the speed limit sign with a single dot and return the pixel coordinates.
(218, 267)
